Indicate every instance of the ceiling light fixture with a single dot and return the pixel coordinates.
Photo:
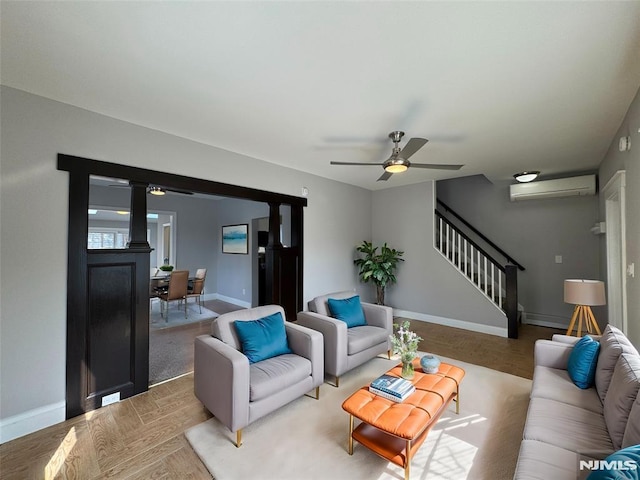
(524, 177)
(396, 165)
(156, 191)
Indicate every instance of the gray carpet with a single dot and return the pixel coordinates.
(171, 349)
(176, 315)
(171, 343)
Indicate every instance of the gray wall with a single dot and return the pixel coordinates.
(234, 271)
(428, 286)
(33, 238)
(339, 217)
(533, 232)
(195, 224)
(196, 220)
(629, 161)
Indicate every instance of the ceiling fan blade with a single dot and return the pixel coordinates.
(126, 185)
(355, 163)
(436, 166)
(412, 147)
(384, 177)
(184, 192)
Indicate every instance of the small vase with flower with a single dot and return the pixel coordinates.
(405, 343)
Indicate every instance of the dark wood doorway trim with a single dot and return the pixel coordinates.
(70, 163)
(92, 267)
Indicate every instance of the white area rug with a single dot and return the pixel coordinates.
(176, 315)
(307, 439)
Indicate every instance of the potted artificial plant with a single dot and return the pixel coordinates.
(166, 269)
(377, 267)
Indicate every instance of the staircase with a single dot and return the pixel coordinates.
(497, 280)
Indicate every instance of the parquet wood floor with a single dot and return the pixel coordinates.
(498, 353)
(138, 438)
(142, 437)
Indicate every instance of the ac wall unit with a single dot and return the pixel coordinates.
(561, 187)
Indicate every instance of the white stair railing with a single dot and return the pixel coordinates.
(471, 261)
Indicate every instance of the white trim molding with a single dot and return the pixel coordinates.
(224, 298)
(614, 194)
(544, 320)
(451, 322)
(31, 421)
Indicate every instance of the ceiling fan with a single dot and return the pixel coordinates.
(399, 162)
(155, 189)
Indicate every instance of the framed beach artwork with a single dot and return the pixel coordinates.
(235, 239)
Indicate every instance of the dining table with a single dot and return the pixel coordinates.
(161, 282)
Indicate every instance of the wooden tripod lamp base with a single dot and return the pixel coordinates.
(583, 313)
(583, 294)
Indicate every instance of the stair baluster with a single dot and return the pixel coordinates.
(479, 267)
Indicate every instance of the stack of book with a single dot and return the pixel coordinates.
(392, 388)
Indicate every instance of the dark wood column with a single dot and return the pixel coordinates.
(138, 216)
(511, 307)
(272, 254)
(284, 278)
(297, 242)
(76, 292)
(107, 305)
(274, 225)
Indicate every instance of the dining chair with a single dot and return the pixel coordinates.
(178, 282)
(197, 290)
(201, 273)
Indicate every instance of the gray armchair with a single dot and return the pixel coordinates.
(237, 392)
(346, 348)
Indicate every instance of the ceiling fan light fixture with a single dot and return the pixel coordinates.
(395, 168)
(156, 191)
(524, 177)
(396, 163)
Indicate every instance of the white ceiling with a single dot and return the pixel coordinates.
(498, 86)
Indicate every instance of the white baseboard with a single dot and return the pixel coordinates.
(224, 298)
(209, 296)
(31, 421)
(543, 323)
(450, 322)
(542, 320)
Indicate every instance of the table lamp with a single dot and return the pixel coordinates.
(584, 294)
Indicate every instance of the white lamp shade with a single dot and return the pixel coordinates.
(584, 292)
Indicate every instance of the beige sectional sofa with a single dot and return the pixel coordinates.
(566, 424)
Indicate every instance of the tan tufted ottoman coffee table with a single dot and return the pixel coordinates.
(395, 431)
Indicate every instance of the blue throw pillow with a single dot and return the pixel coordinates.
(349, 310)
(582, 362)
(263, 338)
(621, 465)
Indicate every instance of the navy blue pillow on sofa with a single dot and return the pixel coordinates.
(263, 338)
(349, 310)
(582, 362)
